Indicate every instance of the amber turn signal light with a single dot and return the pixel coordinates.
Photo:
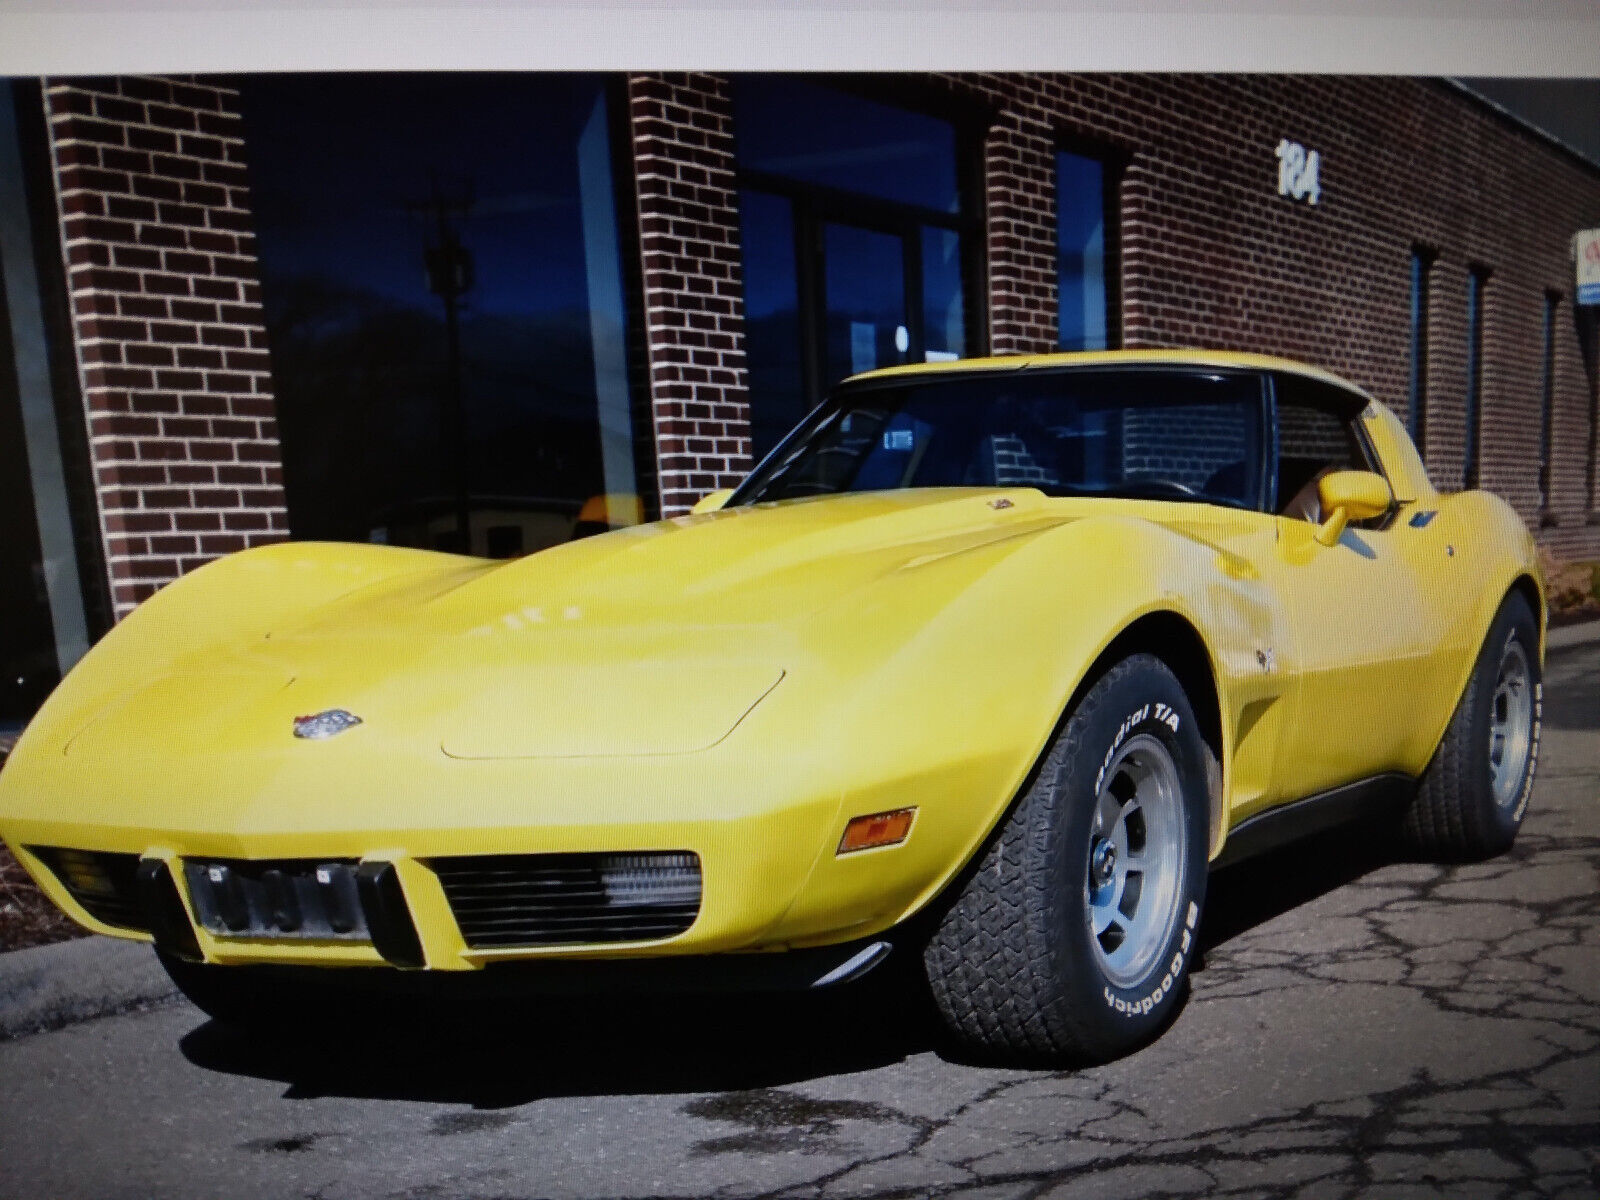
(876, 829)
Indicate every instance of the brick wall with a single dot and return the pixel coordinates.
(682, 135)
(162, 277)
(1212, 255)
(156, 226)
(1020, 208)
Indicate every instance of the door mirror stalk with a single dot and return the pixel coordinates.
(1347, 496)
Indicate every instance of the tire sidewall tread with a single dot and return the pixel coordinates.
(1453, 815)
(1012, 964)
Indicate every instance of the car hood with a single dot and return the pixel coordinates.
(654, 640)
(750, 566)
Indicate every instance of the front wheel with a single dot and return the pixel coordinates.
(1071, 937)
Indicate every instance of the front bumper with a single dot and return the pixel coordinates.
(440, 912)
(763, 813)
(167, 902)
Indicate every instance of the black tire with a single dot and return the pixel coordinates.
(1455, 814)
(1014, 965)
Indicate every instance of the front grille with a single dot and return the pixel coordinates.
(104, 884)
(502, 900)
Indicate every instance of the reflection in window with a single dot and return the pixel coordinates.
(356, 179)
(1155, 435)
(865, 283)
(771, 317)
(852, 242)
(944, 315)
(832, 139)
(1080, 252)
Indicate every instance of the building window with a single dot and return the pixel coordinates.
(1547, 400)
(1417, 395)
(442, 278)
(1477, 286)
(855, 241)
(1080, 252)
(52, 602)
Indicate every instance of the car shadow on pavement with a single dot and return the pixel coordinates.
(511, 1053)
(1253, 892)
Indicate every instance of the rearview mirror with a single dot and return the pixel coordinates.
(712, 502)
(1347, 496)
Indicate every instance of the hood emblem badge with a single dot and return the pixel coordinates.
(323, 725)
(1001, 503)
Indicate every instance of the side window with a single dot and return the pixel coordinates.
(1316, 435)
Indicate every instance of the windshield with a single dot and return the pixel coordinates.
(1148, 434)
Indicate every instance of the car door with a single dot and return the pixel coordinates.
(1363, 627)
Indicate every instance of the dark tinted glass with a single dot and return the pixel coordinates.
(944, 315)
(28, 667)
(1081, 252)
(355, 178)
(1416, 402)
(1477, 283)
(1153, 435)
(771, 317)
(804, 131)
(865, 282)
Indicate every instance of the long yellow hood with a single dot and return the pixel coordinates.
(656, 640)
(749, 566)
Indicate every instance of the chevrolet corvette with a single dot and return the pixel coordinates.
(989, 663)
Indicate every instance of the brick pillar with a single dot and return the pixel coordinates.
(1020, 206)
(682, 132)
(163, 280)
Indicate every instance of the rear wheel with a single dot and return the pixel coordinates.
(1471, 799)
(1070, 939)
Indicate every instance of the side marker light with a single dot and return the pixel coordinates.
(876, 829)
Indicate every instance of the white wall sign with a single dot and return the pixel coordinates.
(1297, 172)
(1586, 248)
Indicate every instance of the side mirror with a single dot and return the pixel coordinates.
(1347, 496)
(713, 502)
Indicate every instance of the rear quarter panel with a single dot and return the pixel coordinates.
(1479, 550)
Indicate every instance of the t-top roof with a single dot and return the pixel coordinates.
(1118, 358)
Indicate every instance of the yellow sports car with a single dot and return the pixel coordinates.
(985, 663)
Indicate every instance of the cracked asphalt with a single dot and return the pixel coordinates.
(1361, 1025)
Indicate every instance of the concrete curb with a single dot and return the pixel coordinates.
(1580, 634)
(47, 987)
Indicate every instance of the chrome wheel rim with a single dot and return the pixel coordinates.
(1135, 860)
(1510, 725)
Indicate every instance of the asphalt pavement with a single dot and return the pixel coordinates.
(1360, 1025)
